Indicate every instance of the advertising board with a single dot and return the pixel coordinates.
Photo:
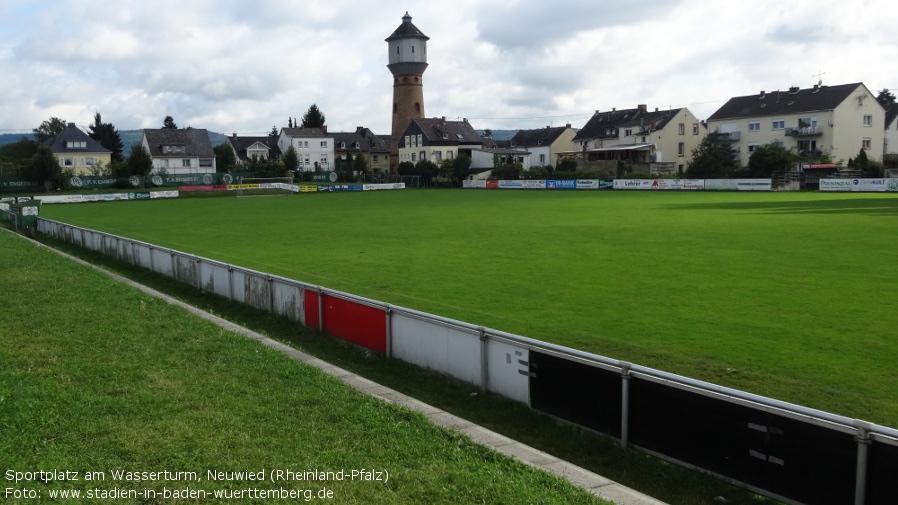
(835, 184)
(479, 184)
(561, 184)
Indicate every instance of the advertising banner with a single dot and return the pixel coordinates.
(540, 184)
(587, 184)
(325, 177)
(720, 184)
(59, 199)
(891, 184)
(164, 194)
(473, 184)
(139, 195)
(91, 182)
(376, 187)
(342, 187)
(308, 189)
(754, 184)
(868, 185)
(511, 184)
(491, 184)
(632, 184)
(835, 184)
(19, 185)
(561, 184)
(212, 187)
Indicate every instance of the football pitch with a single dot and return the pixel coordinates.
(788, 295)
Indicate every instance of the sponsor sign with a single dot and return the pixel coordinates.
(60, 199)
(211, 187)
(23, 199)
(539, 184)
(243, 186)
(492, 184)
(867, 185)
(164, 194)
(4, 206)
(325, 177)
(30, 210)
(308, 189)
(139, 195)
(376, 187)
(19, 185)
(561, 184)
(835, 184)
(587, 184)
(891, 184)
(754, 184)
(632, 184)
(473, 184)
(511, 184)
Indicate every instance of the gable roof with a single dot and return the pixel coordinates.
(303, 132)
(891, 113)
(241, 144)
(599, 124)
(366, 139)
(539, 137)
(72, 133)
(780, 103)
(195, 141)
(439, 130)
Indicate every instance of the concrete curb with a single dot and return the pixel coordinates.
(601, 487)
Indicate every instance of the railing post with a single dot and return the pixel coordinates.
(484, 367)
(388, 313)
(625, 404)
(231, 282)
(863, 444)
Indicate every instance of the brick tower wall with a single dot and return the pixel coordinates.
(408, 90)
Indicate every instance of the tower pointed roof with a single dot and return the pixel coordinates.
(407, 29)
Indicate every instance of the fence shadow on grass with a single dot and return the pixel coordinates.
(871, 206)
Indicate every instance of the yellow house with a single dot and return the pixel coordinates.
(76, 151)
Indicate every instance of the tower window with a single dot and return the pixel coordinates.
(395, 108)
(417, 107)
(397, 49)
(413, 49)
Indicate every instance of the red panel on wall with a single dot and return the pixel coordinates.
(492, 184)
(357, 323)
(310, 302)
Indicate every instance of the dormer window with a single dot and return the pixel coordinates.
(75, 144)
(342, 145)
(173, 149)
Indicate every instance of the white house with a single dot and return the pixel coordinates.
(180, 151)
(314, 147)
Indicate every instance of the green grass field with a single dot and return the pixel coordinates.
(782, 294)
(96, 376)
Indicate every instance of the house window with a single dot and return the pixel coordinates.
(185, 163)
(438, 156)
(628, 132)
(449, 155)
(420, 141)
(681, 149)
(682, 130)
(413, 156)
(542, 160)
(422, 155)
(695, 128)
(76, 144)
(868, 120)
(407, 141)
(374, 158)
(69, 162)
(417, 108)
(754, 126)
(324, 159)
(306, 144)
(779, 124)
(865, 144)
(752, 147)
(807, 122)
(324, 144)
(91, 161)
(342, 145)
(307, 159)
(208, 162)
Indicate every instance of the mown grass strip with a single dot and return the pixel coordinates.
(97, 376)
(779, 294)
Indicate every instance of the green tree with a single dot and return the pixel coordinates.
(139, 161)
(770, 158)
(447, 169)
(427, 170)
(566, 165)
(274, 131)
(15, 156)
(885, 97)
(313, 118)
(225, 159)
(407, 168)
(713, 158)
(169, 123)
(107, 136)
(290, 159)
(360, 164)
(49, 129)
(462, 168)
(44, 169)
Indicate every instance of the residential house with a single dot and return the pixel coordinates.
(838, 120)
(374, 148)
(179, 151)
(76, 151)
(484, 160)
(890, 142)
(247, 148)
(314, 147)
(544, 144)
(658, 142)
(435, 139)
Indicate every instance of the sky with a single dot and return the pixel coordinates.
(234, 66)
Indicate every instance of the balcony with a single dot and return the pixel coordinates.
(804, 131)
(731, 136)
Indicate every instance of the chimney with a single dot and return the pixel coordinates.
(444, 119)
(567, 125)
(761, 96)
(793, 89)
(816, 88)
(642, 107)
(656, 109)
(234, 135)
(597, 112)
(614, 109)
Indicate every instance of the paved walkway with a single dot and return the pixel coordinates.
(596, 484)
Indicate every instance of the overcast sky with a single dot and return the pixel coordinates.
(240, 66)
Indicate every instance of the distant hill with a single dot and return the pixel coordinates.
(129, 138)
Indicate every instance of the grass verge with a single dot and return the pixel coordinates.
(96, 376)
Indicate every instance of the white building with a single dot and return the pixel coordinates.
(314, 147)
